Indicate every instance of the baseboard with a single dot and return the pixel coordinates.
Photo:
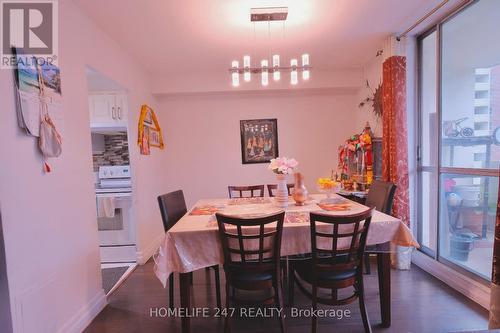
(146, 253)
(470, 288)
(78, 322)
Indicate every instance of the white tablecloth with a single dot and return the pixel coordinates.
(193, 242)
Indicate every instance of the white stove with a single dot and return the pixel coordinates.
(114, 179)
(116, 231)
(116, 190)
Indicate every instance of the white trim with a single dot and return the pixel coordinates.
(80, 320)
(470, 288)
(144, 255)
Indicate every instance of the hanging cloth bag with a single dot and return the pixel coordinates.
(50, 141)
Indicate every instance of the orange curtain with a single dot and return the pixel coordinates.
(395, 141)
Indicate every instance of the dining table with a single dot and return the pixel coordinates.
(193, 242)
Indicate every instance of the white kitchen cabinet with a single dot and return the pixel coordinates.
(108, 110)
(121, 107)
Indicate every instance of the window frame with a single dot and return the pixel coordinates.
(418, 158)
(439, 169)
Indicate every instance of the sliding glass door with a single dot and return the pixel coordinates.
(459, 149)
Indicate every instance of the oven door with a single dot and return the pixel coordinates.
(117, 230)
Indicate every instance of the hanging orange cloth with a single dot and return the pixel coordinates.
(149, 129)
(395, 141)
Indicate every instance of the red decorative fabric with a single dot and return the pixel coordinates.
(395, 141)
(495, 276)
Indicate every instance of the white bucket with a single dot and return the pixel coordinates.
(402, 258)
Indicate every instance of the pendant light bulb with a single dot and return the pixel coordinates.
(246, 69)
(265, 73)
(235, 75)
(276, 65)
(305, 59)
(293, 74)
(305, 63)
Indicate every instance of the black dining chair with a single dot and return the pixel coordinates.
(271, 188)
(172, 209)
(241, 191)
(337, 262)
(252, 248)
(380, 197)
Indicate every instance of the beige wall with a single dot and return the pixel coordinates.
(49, 221)
(203, 149)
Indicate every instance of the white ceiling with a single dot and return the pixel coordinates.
(184, 36)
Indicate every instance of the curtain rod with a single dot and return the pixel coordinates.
(423, 18)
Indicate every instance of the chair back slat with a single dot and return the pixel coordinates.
(335, 239)
(348, 240)
(250, 252)
(266, 234)
(254, 191)
(354, 240)
(172, 208)
(261, 243)
(251, 242)
(271, 188)
(242, 244)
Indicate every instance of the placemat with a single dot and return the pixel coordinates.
(248, 201)
(334, 206)
(205, 210)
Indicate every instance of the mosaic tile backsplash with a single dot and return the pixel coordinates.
(115, 151)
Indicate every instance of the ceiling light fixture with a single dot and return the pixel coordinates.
(268, 15)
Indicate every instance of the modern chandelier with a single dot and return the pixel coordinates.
(273, 67)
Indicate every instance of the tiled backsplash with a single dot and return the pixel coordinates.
(115, 151)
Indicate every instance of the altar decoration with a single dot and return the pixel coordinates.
(149, 131)
(356, 161)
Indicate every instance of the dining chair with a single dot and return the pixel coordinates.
(380, 197)
(271, 188)
(241, 189)
(337, 262)
(252, 248)
(172, 209)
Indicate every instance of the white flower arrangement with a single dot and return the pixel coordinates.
(283, 165)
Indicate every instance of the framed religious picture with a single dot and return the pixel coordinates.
(259, 140)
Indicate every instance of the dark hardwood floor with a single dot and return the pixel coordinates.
(420, 304)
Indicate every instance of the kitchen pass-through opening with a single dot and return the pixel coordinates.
(108, 110)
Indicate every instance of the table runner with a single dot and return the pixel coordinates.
(193, 242)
